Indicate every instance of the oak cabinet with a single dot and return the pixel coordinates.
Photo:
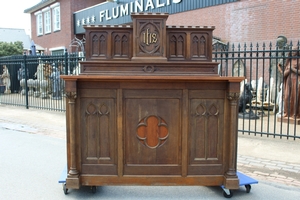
(151, 115)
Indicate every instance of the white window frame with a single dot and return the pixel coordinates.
(56, 18)
(47, 20)
(39, 23)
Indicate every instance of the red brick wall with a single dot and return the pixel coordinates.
(247, 20)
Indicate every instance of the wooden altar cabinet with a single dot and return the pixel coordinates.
(149, 108)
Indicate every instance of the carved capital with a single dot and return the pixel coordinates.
(233, 96)
(71, 95)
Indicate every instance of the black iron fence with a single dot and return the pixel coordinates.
(34, 81)
(268, 99)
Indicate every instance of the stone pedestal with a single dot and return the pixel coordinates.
(289, 120)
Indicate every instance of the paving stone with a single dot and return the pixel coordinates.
(261, 173)
(277, 176)
(268, 163)
(290, 170)
(285, 166)
(257, 164)
(272, 167)
(277, 162)
(243, 162)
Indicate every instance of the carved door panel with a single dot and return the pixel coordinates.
(98, 131)
(205, 137)
(152, 132)
(200, 46)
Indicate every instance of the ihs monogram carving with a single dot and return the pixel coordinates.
(149, 38)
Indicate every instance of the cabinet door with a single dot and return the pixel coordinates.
(206, 132)
(98, 131)
(152, 132)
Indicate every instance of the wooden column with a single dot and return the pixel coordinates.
(73, 174)
(232, 180)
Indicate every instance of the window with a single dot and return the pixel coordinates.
(56, 18)
(39, 23)
(47, 21)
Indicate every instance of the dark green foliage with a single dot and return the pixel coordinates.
(11, 48)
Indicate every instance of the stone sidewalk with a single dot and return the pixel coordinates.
(262, 158)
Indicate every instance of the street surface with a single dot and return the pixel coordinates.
(32, 163)
(33, 156)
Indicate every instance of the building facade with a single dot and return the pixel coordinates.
(54, 24)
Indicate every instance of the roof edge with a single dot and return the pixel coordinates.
(38, 6)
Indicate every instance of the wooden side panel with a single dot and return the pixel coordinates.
(152, 132)
(199, 45)
(121, 45)
(206, 133)
(177, 46)
(98, 131)
(99, 43)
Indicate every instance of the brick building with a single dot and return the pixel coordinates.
(54, 23)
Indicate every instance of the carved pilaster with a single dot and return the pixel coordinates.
(231, 176)
(71, 96)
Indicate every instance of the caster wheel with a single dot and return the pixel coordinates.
(227, 195)
(93, 188)
(248, 188)
(65, 188)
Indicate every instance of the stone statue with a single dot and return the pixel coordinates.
(280, 101)
(246, 98)
(39, 74)
(292, 85)
(6, 79)
(21, 72)
(21, 78)
(276, 67)
(55, 79)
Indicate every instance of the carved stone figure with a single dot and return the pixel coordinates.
(245, 98)
(55, 79)
(6, 79)
(39, 74)
(21, 78)
(280, 101)
(21, 72)
(276, 67)
(292, 85)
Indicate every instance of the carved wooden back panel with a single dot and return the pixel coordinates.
(109, 44)
(149, 39)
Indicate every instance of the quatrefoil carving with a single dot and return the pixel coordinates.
(152, 131)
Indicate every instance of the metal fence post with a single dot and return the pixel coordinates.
(66, 62)
(26, 78)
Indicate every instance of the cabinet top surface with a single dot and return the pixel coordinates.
(168, 78)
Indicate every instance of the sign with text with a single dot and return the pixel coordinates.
(119, 12)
